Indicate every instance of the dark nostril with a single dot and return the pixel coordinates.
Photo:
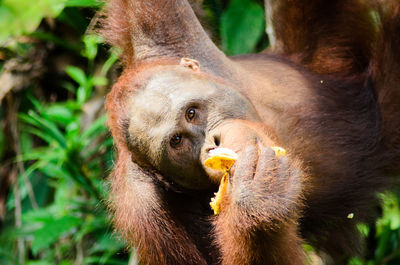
(217, 140)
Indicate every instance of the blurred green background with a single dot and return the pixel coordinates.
(55, 149)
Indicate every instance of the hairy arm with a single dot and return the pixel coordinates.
(141, 215)
(151, 29)
(260, 211)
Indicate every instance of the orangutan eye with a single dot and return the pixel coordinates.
(190, 114)
(175, 140)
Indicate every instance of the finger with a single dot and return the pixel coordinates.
(245, 166)
(266, 165)
(283, 168)
(289, 179)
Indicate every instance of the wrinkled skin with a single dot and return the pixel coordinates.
(223, 117)
(159, 113)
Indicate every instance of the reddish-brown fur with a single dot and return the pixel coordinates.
(345, 135)
(338, 43)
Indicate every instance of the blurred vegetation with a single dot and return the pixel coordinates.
(55, 149)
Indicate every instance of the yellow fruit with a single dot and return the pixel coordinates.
(216, 201)
(220, 159)
(279, 151)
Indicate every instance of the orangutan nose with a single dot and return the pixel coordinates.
(213, 141)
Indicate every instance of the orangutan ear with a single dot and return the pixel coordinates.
(190, 63)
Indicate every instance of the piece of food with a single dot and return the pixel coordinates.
(216, 201)
(220, 159)
(279, 151)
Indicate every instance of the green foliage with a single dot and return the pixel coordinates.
(385, 233)
(388, 230)
(18, 17)
(68, 167)
(21, 17)
(242, 26)
(84, 3)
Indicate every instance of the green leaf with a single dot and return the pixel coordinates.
(363, 229)
(383, 243)
(36, 103)
(28, 119)
(84, 3)
(91, 46)
(55, 171)
(45, 137)
(110, 62)
(83, 94)
(72, 132)
(242, 26)
(52, 230)
(77, 75)
(47, 128)
(107, 243)
(38, 216)
(99, 81)
(19, 17)
(60, 113)
(391, 211)
(356, 261)
(26, 142)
